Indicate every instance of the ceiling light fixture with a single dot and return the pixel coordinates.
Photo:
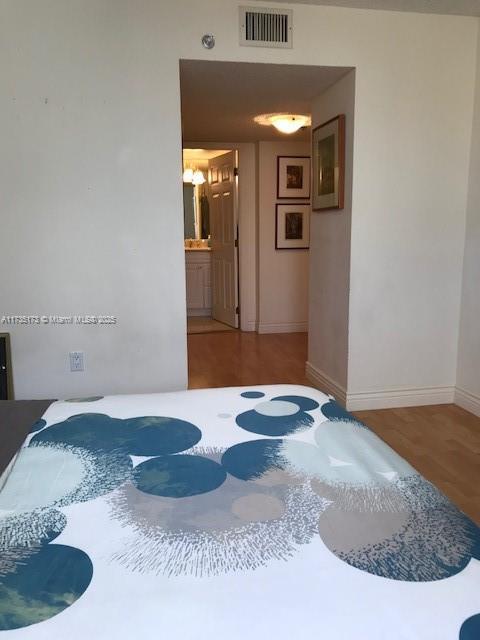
(284, 122)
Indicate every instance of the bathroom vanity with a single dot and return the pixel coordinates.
(198, 281)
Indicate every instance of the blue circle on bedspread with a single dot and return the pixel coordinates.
(334, 411)
(178, 476)
(252, 394)
(305, 404)
(470, 629)
(37, 425)
(251, 460)
(285, 458)
(144, 436)
(278, 417)
(42, 583)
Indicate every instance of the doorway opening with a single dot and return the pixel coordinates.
(275, 284)
(210, 194)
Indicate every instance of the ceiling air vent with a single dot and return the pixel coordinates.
(266, 27)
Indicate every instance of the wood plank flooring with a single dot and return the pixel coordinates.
(441, 441)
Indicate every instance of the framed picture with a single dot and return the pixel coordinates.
(293, 177)
(292, 226)
(328, 159)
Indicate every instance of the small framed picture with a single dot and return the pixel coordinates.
(292, 226)
(293, 177)
(328, 159)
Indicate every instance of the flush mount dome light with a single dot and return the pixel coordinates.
(284, 122)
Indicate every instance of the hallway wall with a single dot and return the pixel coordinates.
(327, 364)
(282, 273)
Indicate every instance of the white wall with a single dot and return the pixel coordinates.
(468, 373)
(90, 178)
(412, 139)
(330, 258)
(282, 274)
(90, 215)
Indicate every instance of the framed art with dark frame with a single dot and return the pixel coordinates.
(328, 162)
(292, 226)
(293, 177)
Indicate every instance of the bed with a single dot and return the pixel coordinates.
(259, 512)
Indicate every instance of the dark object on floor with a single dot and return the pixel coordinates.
(6, 381)
(16, 420)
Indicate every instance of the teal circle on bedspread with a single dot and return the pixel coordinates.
(255, 459)
(470, 629)
(305, 404)
(37, 425)
(334, 411)
(178, 476)
(279, 421)
(252, 394)
(143, 436)
(251, 460)
(41, 584)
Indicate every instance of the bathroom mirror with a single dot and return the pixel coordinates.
(196, 212)
(189, 211)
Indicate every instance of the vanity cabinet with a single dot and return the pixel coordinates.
(198, 282)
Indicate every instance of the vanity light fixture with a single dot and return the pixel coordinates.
(188, 175)
(284, 122)
(198, 177)
(193, 176)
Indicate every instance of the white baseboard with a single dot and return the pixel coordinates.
(467, 400)
(393, 398)
(250, 325)
(325, 383)
(283, 327)
(198, 312)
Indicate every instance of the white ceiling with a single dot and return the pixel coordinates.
(220, 99)
(202, 154)
(198, 158)
(455, 7)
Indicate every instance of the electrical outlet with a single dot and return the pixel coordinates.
(76, 361)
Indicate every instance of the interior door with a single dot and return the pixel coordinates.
(223, 237)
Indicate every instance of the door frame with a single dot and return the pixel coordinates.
(247, 226)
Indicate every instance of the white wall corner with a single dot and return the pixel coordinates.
(250, 325)
(394, 398)
(325, 383)
(467, 401)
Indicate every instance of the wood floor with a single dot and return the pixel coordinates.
(204, 324)
(442, 441)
